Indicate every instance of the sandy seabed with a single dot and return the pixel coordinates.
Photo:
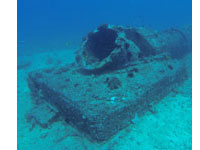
(169, 127)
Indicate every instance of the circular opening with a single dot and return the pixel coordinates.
(101, 43)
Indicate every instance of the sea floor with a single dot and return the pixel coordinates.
(167, 127)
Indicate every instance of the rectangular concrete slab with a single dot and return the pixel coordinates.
(102, 105)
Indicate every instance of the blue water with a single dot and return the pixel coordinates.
(50, 32)
(49, 24)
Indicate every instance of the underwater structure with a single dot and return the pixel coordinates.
(119, 74)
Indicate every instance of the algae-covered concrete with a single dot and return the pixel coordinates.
(111, 84)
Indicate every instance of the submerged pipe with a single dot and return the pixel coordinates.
(111, 47)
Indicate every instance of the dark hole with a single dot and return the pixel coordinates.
(170, 67)
(101, 43)
(130, 75)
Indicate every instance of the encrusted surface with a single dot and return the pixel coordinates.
(110, 85)
(100, 108)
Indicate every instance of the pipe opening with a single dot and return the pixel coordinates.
(100, 44)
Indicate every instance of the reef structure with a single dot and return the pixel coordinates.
(119, 74)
